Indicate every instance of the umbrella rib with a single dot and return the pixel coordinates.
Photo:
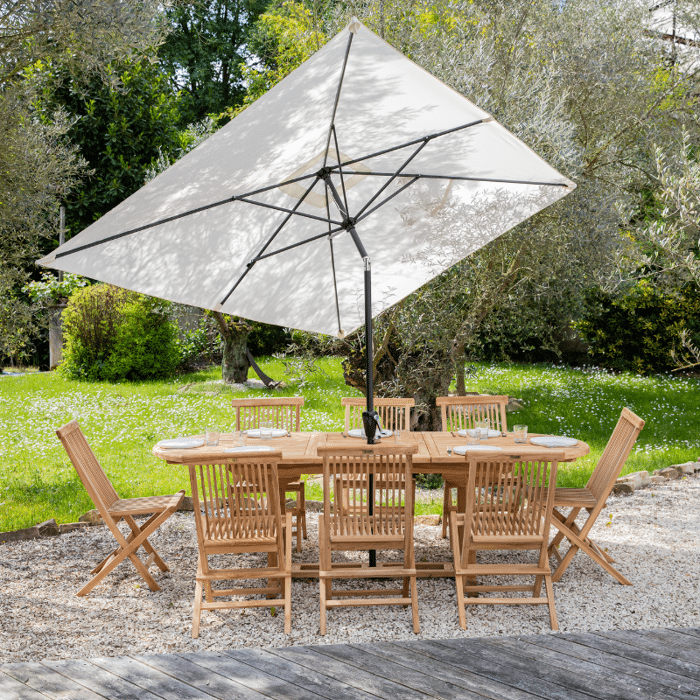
(272, 238)
(427, 138)
(330, 243)
(289, 211)
(392, 177)
(461, 177)
(340, 170)
(298, 243)
(337, 98)
(175, 217)
(384, 201)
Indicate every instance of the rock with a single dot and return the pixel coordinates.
(428, 520)
(683, 469)
(27, 533)
(92, 517)
(314, 506)
(623, 487)
(69, 527)
(49, 528)
(655, 479)
(513, 404)
(187, 504)
(667, 473)
(635, 479)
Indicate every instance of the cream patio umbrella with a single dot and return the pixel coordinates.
(358, 176)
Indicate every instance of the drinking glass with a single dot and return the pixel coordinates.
(266, 430)
(211, 437)
(397, 435)
(473, 437)
(482, 428)
(520, 433)
(238, 438)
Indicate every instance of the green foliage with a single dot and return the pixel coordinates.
(205, 53)
(51, 289)
(193, 345)
(266, 339)
(112, 333)
(641, 330)
(120, 131)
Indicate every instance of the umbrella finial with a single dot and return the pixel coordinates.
(354, 25)
(341, 334)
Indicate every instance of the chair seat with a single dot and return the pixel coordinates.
(145, 505)
(580, 498)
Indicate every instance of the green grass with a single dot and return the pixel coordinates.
(124, 421)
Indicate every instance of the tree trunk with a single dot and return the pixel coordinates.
(459, 369)
(234, 336)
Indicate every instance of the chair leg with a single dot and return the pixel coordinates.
(322, 582)
(537, 588)
(288, 578)
(135, 530)
(197, 613)
(414, 604)
(459, 581)
(550, 598)
(446, 508)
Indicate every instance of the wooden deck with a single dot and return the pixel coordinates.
(636, 664)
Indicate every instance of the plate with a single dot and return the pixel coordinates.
(181, 443)
(462, 449)
(553, 441)
(472, 432)
(360, 433)
(276, 432)
(251, 448)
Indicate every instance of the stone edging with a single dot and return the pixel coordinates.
(629, 483)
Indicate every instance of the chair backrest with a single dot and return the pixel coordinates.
(283, 412)
(395, 414)
(461, 412)
(615, 455)
(346, 472)
(237, 500)
(89, 470)
(509, 500)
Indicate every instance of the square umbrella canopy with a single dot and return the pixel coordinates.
(359, 155)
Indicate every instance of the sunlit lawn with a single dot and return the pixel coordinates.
(124, 421)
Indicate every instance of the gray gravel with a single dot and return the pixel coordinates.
(654, 534)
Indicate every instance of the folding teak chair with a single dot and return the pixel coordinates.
(508, 507)
(113, 509)
(395, 414)
(462, 413)
(592, 497)
(282, 412)
(237, 511)
(371, 480)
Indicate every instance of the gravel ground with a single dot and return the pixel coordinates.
(654, 534)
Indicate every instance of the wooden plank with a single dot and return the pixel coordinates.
(12, 689)
(598, 668)
(255, 678)
(310, 658)
(410, 676)
(99, 681)
(473, 656)
(675, 640)
(646, 664)
(160, 684)
(647, 642)
(199, 677)
(47, 681)
(410, 657)
(690, 631)
(323, 685)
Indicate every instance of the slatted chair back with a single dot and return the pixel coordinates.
(237, 502)
(89, 470)
(282, 412)
(602, 480)
(509, 502)
(395, 414)
(347, 513)
(462, 412)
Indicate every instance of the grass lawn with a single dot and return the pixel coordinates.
(123, 422)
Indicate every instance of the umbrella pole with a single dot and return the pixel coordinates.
(370, 384)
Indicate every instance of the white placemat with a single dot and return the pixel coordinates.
(553, 441)
(360, 433)
(463, 449)
(473, 433)
(276, 432)
(251, 448)
(180, 443)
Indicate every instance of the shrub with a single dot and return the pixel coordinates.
(266, 339)
(112, 333)
(640, 330)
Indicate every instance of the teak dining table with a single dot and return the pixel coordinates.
(300, 456)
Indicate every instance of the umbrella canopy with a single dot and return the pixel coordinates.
(357, 154)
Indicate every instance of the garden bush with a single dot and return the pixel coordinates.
(112, 333)
(641, 330)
